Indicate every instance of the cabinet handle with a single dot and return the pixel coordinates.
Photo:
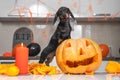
(102, 14)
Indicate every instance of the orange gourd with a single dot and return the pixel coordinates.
(104, 49)
(112, 67)
(9, 69)
(13, 70)
(79, 56)
(7, 54)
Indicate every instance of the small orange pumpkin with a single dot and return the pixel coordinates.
(7, 54)
(78, 56)
(104, 49)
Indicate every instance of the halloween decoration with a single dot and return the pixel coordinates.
(78, 56)
(14, 48)
(42, 69)
(104, 49)
(62, 33)
(34, 49)
(12, 70)
(23, 35)
(7, 54)
(112, 67)
(9, 69)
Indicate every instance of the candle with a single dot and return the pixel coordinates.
(14, 48)
(21, 58)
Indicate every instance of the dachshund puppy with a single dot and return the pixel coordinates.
(62, 32)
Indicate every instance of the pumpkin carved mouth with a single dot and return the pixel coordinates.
(78, 63)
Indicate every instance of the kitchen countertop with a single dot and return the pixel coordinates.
(100, 74)
(38, 57)
(96, 76)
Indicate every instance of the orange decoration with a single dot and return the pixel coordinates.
(48, 14)
(59, 2)
(100, 1)
(7, 54)
(25, 9)
(79, 56)
(44, 35)
(9, 69)
(3, 69)
(90, 9)
(112, 67)
(14, 49)
(75, 4)
(104, 49)
(42, 69)
(21, 58)
(115, 14)
(12, 70)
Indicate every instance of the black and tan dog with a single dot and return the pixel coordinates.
(62, 32)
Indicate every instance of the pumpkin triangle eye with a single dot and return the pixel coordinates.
(81, 51)
(68, 44)
(87, 43)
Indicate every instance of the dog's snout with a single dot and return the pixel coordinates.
(64, 16)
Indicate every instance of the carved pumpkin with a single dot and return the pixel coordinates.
(78, 56)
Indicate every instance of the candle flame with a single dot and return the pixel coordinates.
(22, 44)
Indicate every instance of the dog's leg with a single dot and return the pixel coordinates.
(49, 49)
(50, 58)
(46, 52)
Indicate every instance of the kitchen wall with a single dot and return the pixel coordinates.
(102, 32)
(7, 30)
(107, 33)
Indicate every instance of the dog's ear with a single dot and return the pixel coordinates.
(55, 18)
(71, 14)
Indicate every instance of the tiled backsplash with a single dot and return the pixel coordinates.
(101, 32)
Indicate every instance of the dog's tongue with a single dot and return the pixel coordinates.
(67, 16)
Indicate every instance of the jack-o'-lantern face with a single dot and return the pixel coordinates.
(78, 56)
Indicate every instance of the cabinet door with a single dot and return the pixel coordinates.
(80, 8)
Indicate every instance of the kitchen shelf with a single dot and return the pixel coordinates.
(50, 19)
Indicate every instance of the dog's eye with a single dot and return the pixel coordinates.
(61, 17)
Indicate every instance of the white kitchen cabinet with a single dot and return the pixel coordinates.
(80, 8)
(90, 8)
